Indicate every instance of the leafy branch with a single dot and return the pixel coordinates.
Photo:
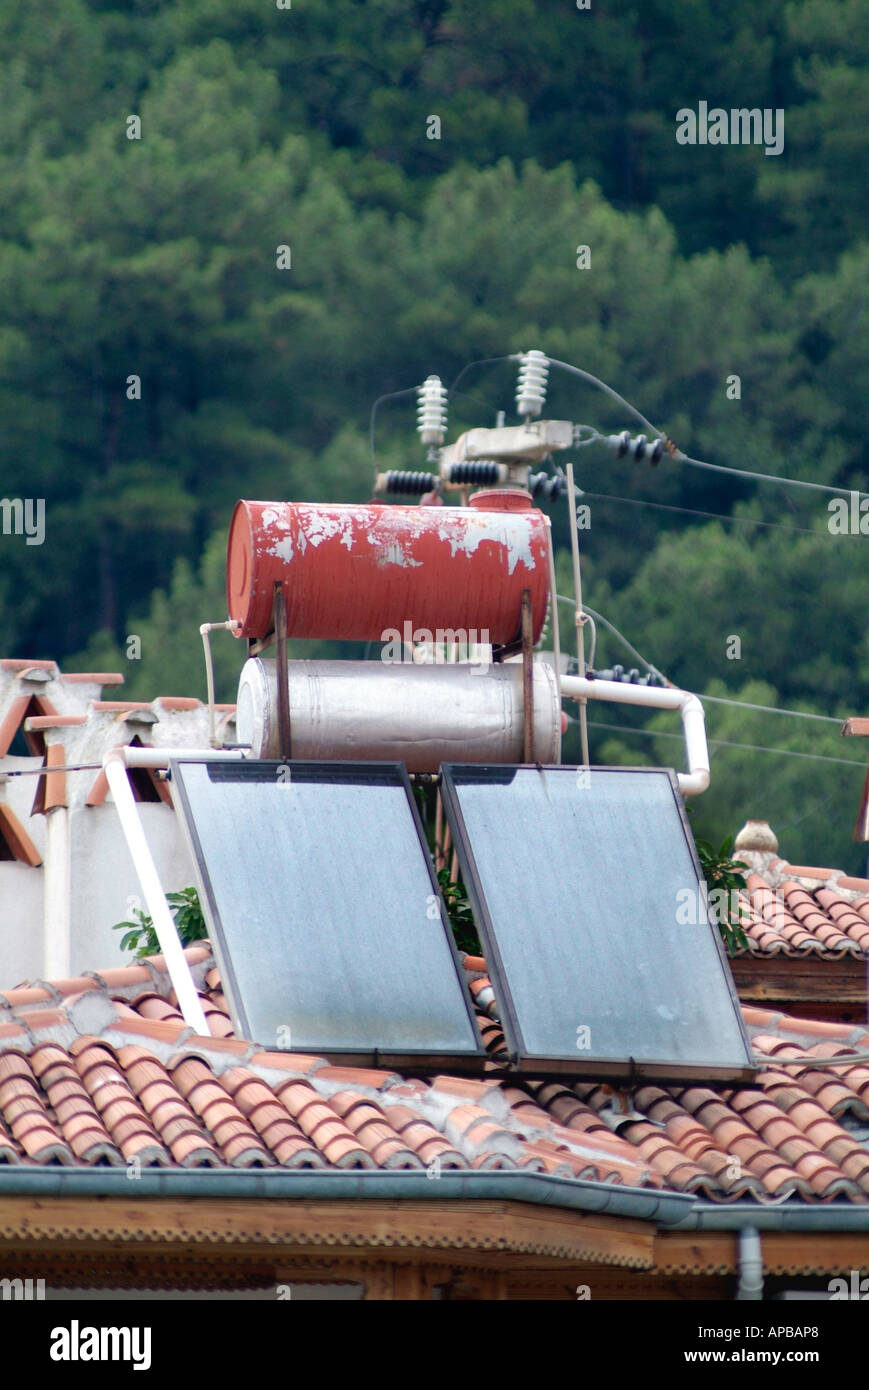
(140, 936)
(725, 880)
(459, 911)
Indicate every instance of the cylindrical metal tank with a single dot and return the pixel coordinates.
(353, 572)
(400, 712)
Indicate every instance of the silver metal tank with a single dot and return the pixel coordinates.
(421, 715)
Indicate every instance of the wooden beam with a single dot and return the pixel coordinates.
(783, 1252)
(495, 1234)
(786, 979)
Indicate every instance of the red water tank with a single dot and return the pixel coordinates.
(355, 571)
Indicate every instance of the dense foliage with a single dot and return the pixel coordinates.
(156, 258)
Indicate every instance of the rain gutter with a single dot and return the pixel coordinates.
(671, 1211)
(538, 1189)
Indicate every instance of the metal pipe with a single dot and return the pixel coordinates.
(553, 602)
(578, 614)
(115, 764)
(204, 630)
(694, 781)
(750, 1286)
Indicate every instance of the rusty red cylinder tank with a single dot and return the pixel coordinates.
(354, 572)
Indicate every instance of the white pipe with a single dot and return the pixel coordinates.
(115, 765)
(750, 1286)
(159, 757)
(57, 900)
(205, 631)
(694, 781)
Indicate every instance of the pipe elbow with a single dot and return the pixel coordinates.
(693, 783)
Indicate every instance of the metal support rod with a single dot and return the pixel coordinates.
(527, 677)
(579, 617)
(164, 925)
(439, 856)
(553, 602)
(281, 671)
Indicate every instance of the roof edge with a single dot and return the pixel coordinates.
(537, 1189)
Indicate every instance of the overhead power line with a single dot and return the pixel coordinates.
(694, 511)
(674, 452)
(714, 699)
(723, 743)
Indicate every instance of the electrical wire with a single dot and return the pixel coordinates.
(562, 598)
(713, 699)
(681, 457)
(482, 362)
(772, 709)
(389, 396)
(721, 743)
(601, 385)
(693, 511)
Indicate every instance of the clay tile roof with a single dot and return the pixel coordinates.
(51, 789)
(800, 911)
(120, 706)
(16, 838)
(93, 677)
(18, 663)
(147, 1089)
(20, 709)
(53, 721)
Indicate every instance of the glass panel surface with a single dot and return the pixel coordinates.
(589, 900)
(322, 907)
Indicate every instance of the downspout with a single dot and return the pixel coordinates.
(694, 781)
(750, 1287)
(115, 765)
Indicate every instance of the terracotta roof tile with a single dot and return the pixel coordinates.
(261, 1108)
(822, 915)
(92, 677)
(238, 1142)
(371, 1126)
(148, 1088)
(23, 663)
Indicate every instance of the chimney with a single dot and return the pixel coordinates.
(756, 845)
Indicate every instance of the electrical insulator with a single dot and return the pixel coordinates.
(632, 677)
(541, 485)
(412, 484)
(531, 391)
(431, 415)
(475, 471)
(638, 448)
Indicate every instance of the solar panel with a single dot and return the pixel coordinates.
(587, 895)
(324, 912)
